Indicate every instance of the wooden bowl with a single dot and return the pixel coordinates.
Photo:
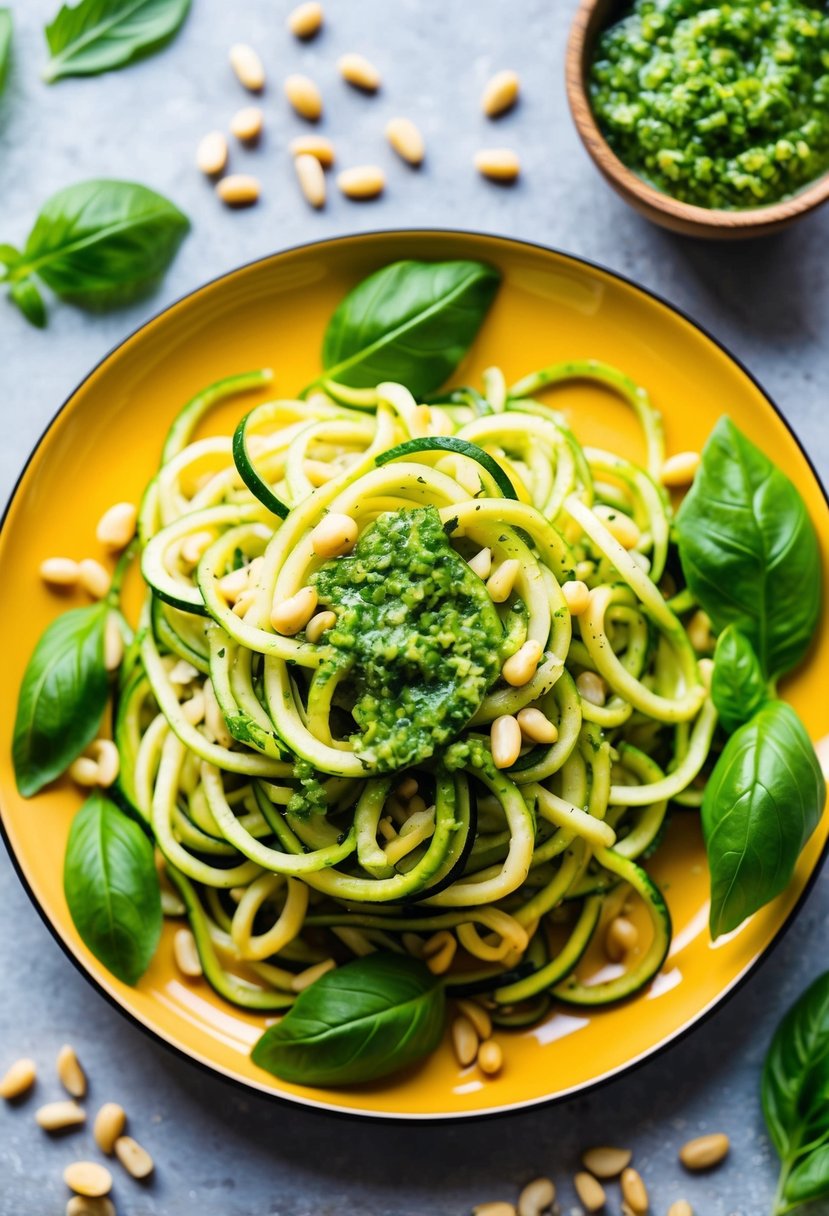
(592, 17)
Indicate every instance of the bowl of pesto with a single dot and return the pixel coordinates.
(711, 119)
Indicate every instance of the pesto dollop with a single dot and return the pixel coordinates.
(721, 105)
(416, 637)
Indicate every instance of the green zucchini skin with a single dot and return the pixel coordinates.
(461, 447)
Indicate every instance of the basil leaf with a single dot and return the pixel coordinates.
(98, 35)
(30, 302)
(111, 886)
(761, 804)
(102, 243)
(62, 697)
(749, 550)
(5, 45)
(362, 1021)
(795, 1095)
(411, 322)
(737, 685)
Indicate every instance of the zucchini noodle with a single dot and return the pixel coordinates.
(312, 733)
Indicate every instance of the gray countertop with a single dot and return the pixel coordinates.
(220, 1152)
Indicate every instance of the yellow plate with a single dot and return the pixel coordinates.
(103, 447)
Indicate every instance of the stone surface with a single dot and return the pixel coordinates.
(218, 1151)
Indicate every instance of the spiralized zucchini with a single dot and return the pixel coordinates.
(267, 763)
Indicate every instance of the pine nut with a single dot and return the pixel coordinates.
(500, 584)
(88, 1178)
(72, 1076)
(576, 596)
(498, 164)
(406, 140)
(116, 527)
(239, 190)
(304, 96)
(59, 571)
(186, 954)
(197, 543)
(620, 939)
(135, 1159)
(479, 1018)
(505, 740)
(481, 564)
(620, 526)
(84, 772)
(494, 1209)
(94, 578)
(214, 719)
(535, 726)
(439, 951)
(211, 154)
(490, 1058)
(318, 472)
(699, 631)
(591, 687)
(413, 944)
(318, 624)
(605, 1162)
(110, 1122)
(536, 1197)
(679, 470)
(193, 709)
(81, 1205)
(358, 71)
(590, 1192)
(18, 1079)
(244, 601)
(247, 123)
(681, 1208)
(362, 183)
(634, 1192)
(293, 614)
(407, 788)
(249, 69)
(56, 1116)
(314, 145)
(521, 666)
(104, 755)
(113, 643)
(305, 20)
(233, 584)
(464, 1041)
(311, 177)
(705, 1151)
(311, 974)
(500, 94)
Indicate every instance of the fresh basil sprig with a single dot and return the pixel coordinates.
(62, 697)
(367, 1019)
(5, 45)
(411, 322)
(96, 36)
(97, 244)
(111, 886)
(795, 1094)
(738, 687)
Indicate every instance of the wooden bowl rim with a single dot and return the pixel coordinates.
(784, 211)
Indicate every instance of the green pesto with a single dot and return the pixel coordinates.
(416, 632)
(720, 105)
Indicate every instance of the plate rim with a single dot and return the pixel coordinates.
(326, 1108)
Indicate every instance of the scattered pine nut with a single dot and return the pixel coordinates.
(18, 1079)
(620, 526)
(620, 939)
(505, 740)
(318, 625)
(193, 709)
(59, 571)
(536, 1197)
(481, 563)
(439, 951)
(479, 1018)
(590, 1192)
(249, 69)
(109, 1124)
(311, 974)
(407, 788)
(314, 145)
(360, 72)
(247, 123)
(94, 578)
(633, 1191)
(464, 1041)
(705, 1151)
(681, 1208)
(490, 1058)
(498, 164)
(311, 177)
(362, 182)
(500, 94)
(88, 1178)
(84, 772)
(520, 667)
(334, 535)
(494, 1209)
(113, 643)
(501, 583)
(306, 20)
(699, 631)
(135, 1159)
(304, 96)
(576, 595)
(72, 1076)
(186, 953)
(57, 1116)
(606, 1162)
(239, 190)
(211, 154)
(293, 614)
(591, 687)
(406, 140)
(116, 527)
(679, 470)
(99, 765)
(82, 1205)
(536, 727)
